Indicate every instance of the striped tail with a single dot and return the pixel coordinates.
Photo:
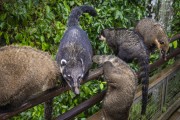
(77, 12)
(144, 76)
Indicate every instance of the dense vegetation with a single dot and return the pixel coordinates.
(41, 24)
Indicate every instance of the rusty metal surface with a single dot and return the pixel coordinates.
(175, 37)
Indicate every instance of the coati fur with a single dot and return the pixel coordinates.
(121, 87)
(24, 72)
(128, 45)
(74, 56)
(154, 35)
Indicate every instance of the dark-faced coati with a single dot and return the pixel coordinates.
(154, 35)
(128, 45)
(121, 87)
(24, 72)
(74, 56)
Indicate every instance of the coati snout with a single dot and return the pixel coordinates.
(164, 47)
(74, 78)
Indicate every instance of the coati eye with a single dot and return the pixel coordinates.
(80, 77)
(68, 77)
(63, 62)
(161, 42)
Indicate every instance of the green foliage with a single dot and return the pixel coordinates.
(176, 23)
(42, 23)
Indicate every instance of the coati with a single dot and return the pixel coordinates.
(74, 55)
(154, 35)
(128, 45)
(24, 72)
(121, 87)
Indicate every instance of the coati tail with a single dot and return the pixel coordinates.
(100, 59)
(144, 76)
(76, 13)
(116, 61)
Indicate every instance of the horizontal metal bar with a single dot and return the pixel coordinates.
(82, 106)
(175, 37)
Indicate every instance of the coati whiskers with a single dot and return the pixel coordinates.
(74, 56)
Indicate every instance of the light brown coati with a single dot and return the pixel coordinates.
(121, 87)
(74, 55)
(24, 72)
(128, 46)
(154, 35)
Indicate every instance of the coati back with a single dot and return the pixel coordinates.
(154, 35)
(24, 72)
(128, 45)
(121, 87)
(74, 56)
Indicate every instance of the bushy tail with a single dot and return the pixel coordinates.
(76, 13)
(144, 76)
(101, 59)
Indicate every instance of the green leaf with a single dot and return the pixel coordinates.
(3, 16)
(47, 9)
(118, 14)
(42, 38)
(18, 36)
(101, 86)
(57, 38)
(175, 44)
(6, 36)
(2, 24)
(45, 46)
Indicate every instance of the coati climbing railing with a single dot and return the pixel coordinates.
(160, 87)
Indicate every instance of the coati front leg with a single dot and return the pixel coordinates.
(48, 108)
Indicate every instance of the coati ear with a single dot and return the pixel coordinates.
(82, 62)
(63, 62)
(157, 24)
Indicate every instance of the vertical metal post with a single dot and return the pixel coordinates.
(164, 93)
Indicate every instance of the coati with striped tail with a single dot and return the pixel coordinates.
(74, 56)
(154, 36)
(121, 87)
(128, 45)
